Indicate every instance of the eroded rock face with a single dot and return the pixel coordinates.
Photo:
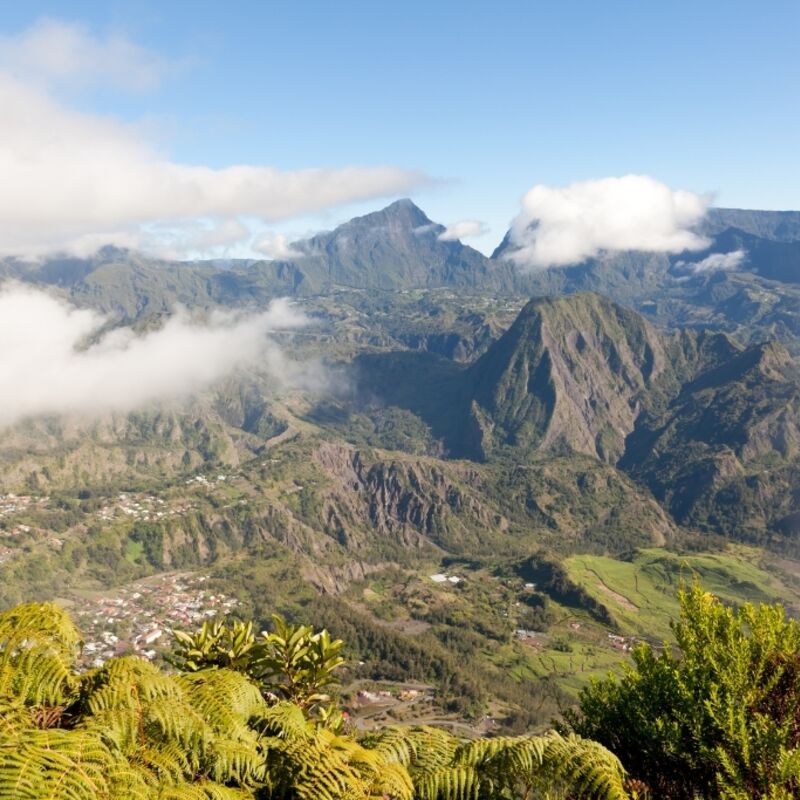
(333, 579)
(414, 502)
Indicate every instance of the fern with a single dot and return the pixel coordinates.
(55, 764)
(38, 648)
(312, 762)
(444, 768)
(127, 731)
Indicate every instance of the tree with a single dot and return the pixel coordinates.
(718, 719)
(297, 664)
(293, 662)
(215, 645)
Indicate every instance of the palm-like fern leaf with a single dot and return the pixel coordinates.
(444, 768)
(55, 764)
(38, 647)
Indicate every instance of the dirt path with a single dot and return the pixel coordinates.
(616, 596)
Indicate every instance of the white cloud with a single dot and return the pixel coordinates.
(57, 52)
(423, 230)
(462, 230)
(212, 238)
(276, 246)
(70, 181)
(560, 226)
(714, 262)
(45, 370)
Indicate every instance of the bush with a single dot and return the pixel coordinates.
(720, 720)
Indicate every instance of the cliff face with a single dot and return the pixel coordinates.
(571, 375)
(468, 508)
(414, 502)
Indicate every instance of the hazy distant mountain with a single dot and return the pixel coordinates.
(778, 226)
(397, 247)
(747, 282)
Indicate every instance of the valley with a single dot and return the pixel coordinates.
(570, 446)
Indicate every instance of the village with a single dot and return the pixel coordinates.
(16, 503)
(139, 618)
(144, 507)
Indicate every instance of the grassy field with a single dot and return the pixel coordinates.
(133, 550)
(573, 647)
(641, 594)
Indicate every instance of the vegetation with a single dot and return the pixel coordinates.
(640, 594)
(718, 719)
(604, 461)
(128, 730)
(292, 663)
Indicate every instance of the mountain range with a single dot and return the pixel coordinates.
(400, 248)
(536, 434)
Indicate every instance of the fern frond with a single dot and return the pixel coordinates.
(55, 764)
(15, 718)
(204, 790)
(504, 766)
(39, 622)
(241, 761)
(126, 682)
(419, 747)
(38, 648)
(588, 768)
(459, 782)
(286, 721)
(226, 699)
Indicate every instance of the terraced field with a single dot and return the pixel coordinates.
(641, 594)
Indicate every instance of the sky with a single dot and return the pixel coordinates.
(184, 126)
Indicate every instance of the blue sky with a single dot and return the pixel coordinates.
(485, 99)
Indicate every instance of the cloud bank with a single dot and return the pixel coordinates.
(55, 52)
(714, 262)
(71, 181)
(276, 246)
(560, 226)
(46, 369)
(463, 230)
(177, 240)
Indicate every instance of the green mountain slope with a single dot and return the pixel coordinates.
(725, 456)
(569, 376)
(711, 428)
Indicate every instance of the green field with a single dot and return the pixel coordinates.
(641, 594)
(133, 550)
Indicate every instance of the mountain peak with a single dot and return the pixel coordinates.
(403, 204)
(393, 248)
(568, 376)
(403, 212)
